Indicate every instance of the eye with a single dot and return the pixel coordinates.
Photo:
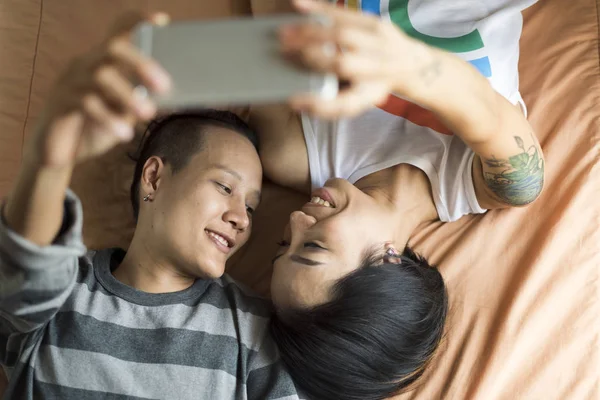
(250, 210)
(223, 188)
(283, 243)
(314, 245)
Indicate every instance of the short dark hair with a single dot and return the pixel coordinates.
(373, 339)
(176, 138)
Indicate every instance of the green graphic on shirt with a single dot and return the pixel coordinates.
(398, 10)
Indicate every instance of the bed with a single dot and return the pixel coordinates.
(524, 283)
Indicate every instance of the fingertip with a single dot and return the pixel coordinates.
(144, 108)
(160, 18)
(382, 102)
(161, 80)
(304, 5)
(286, 32)
(315, 105)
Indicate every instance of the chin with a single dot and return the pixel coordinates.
(211, 270)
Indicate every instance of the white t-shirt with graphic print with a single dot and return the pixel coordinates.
(484, 33)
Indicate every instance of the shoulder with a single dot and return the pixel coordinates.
(241, 299)
(250, 313)
(93, 264)
(97, 258)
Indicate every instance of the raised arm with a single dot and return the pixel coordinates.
(91, 109)
(376, 58)
(509, 167)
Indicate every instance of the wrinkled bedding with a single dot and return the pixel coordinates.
(524, 283)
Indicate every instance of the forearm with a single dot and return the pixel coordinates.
(464, 101)
(35, 207)
(510, 161)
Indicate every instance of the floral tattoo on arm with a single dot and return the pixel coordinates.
(519, 179)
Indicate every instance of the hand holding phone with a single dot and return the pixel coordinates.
(93, 105)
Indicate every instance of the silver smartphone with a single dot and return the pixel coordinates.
(226, 62)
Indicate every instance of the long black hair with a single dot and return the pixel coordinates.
(374, 337)
(176, 138)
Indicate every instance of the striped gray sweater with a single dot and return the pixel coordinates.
(70, 330)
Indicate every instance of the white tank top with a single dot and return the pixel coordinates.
(484, 33)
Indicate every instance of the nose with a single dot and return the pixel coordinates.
(237, 216)
(300, 222)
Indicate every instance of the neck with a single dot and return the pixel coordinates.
(406, 191)
(144, 271)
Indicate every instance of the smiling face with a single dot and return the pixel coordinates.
(326, 241)
(202, 214)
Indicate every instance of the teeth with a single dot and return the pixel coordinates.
(219, 238)
(318, 200)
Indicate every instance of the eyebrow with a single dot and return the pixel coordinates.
(305, 261)
(257, 194)
(298, 259)
(227, 170)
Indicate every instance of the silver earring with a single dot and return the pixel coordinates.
(147, 198)
(391, 252)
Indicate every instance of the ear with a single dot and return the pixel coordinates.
(154, 170)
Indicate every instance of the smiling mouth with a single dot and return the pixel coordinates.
(224, 244)
(319, 201)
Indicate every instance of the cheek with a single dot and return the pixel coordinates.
(187, 212)
(279, 287)
(355, 231)
(297, 287)
(343, 234)
(285, 278)
(176, 224)
(348, 240)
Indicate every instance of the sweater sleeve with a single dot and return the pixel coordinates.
(35, 281)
